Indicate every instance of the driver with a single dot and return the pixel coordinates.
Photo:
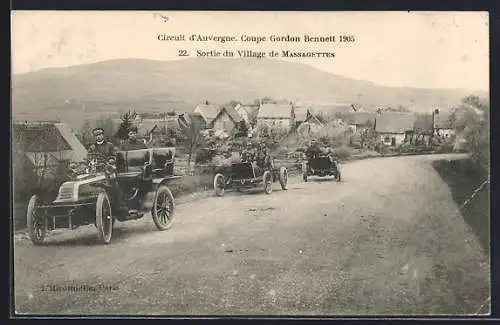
(105, 153)
(101, 149)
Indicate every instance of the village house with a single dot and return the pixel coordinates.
(422, 130)
(207, 110)
(333, 110)
(393, 127)
(361, 121)
(152, 131)
(247, 112)
(226, 120)
(310, 125)
(275, 115)
(442, 123)
(46, 144)
(299, 113)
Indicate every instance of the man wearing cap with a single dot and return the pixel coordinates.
(101, 149)
(132, 143)
(105, 152)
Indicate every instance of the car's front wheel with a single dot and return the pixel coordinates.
(35, 223)
(104, 218)
(163, 208)
(267, 179)
(219, 185)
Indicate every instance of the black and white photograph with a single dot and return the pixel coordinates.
(250, 163)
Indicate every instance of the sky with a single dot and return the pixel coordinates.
(401, 49)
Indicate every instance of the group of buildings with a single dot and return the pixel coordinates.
(45, 143)
(394, 128)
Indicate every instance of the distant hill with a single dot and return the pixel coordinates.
(88, 91)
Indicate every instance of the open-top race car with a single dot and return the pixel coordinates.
(321, 166)
(250, 174)
(122, 190)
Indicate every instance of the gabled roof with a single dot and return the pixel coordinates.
(209, 111)
(394, 122)
(39, 138)
(47, 137)
(149, 125)
(362, 118)
(442, 120)
(229, 110)
(333, 108)
(250, 109)
(271, 110)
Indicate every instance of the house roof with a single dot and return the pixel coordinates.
(148, 125)
(231, 111)
(394, 122)
(423, 122)
(39, 138)
(249, 109)
(271, 110)
(312, 119)
(209, 111)
(300, 112)
(362, 118)
(332, 109)
(47, 137)
(442, 120)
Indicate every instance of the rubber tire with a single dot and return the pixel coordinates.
(219, 191)
(268, 185)
(36, 240)
(160, 225)
(283, 178)
(304, 172)
(103, 199)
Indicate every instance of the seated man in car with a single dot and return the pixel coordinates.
(132, 143)
(101, 150)
(104, 153)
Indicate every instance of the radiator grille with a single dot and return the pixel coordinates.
(65, 192)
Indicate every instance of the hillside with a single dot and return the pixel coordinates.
(110, 86)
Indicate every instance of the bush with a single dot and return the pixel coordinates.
(343, 152)
(204, 156)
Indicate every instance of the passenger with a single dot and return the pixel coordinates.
(132, 143)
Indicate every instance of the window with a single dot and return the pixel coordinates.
(387, 139)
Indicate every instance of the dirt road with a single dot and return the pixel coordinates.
(387, 240)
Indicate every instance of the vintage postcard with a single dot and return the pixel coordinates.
(200, 163)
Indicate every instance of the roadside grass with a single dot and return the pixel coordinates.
(458, 262)
(463, 178)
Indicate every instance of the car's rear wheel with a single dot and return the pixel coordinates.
(267, 179)
(283, 178)
(219, 185)
(104, 218)
(35, 223)
(163, 208)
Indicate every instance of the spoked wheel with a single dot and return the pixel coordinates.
(163, 208)
(268, 182)
(219, 185)
(283, 178)
(36, 224)
(104, 218)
